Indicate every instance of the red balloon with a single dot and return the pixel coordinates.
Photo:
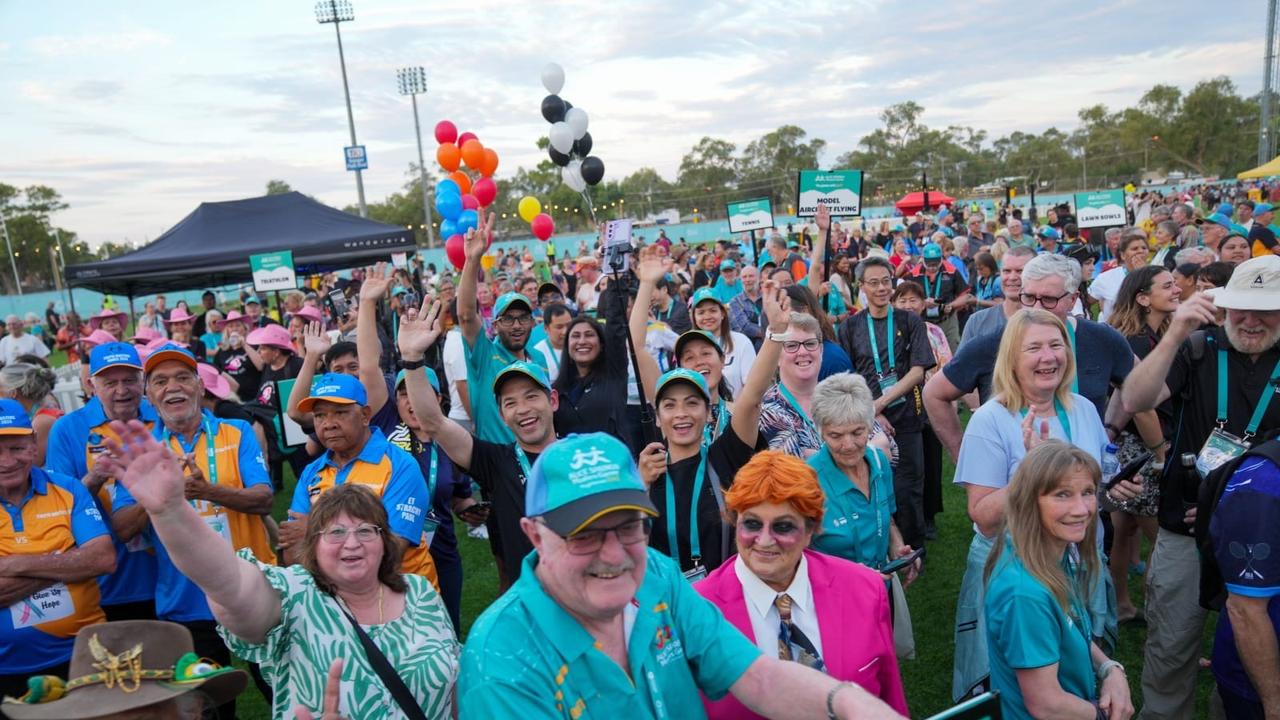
(464, 137)
(543, 226)
(446, 132)
(454, 249)
(469, 202)
(485, 190)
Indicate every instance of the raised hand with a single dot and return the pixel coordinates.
(376, 282)
(1031, 438)
(477, 239)
(822, 217)
(1192, 313)
(419, 329)
(777, 306)
(332, 692)
(147, 469)
(315, 341)
(650, 269)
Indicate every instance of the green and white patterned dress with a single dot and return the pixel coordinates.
(297, 653)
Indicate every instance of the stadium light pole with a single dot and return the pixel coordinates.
(17, 281)
(412, 82)
(338, 12)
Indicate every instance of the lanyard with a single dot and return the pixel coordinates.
(786, 394)
(211, 459)
(1075, 381)
(1263, 402)
(695, 544)
(936, 292)
(875, 347)
(524, 462)
(719, 418)
(1063, 420)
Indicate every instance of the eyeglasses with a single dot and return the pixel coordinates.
(507, 321)
(882, 282)
(337, 534)
(781, 529)
(589, 541)
(1048, 302)
(791, 347)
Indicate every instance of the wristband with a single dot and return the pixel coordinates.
(414, 364)
(831, 698)
(1106, 667)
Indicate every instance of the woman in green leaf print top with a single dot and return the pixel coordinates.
(292, 621)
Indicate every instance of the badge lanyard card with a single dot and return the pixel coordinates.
(1221, 447)
(887, 379)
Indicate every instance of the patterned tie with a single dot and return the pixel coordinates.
(793, 644)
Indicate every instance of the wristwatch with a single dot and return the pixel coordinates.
(413, 364)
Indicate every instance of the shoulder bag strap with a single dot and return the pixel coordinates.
(390, 679)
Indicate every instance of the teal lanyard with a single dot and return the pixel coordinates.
(875, 347)
(431, 472)
(695, 544)
(211, 474)
(936, 292)
(715, 428)
(1075, 381)
(1263, 402)
(555, 356)
(524, 462)
(786, 394)
(1063, 420)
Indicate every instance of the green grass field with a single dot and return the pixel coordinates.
(932, 599)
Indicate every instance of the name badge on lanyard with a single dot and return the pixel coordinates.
(1221, 446)
(886, 379)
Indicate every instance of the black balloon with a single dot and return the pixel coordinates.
(553, 108)
(557, 157)
(593, 170)
(568, 106)
(582, 146)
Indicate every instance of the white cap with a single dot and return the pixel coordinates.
(1254, 285)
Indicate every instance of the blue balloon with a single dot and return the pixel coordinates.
(467, 220)
(448, 228)
(448, 186)
(449, 206)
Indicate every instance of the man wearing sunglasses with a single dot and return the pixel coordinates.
(599, 625)
(1103, 357)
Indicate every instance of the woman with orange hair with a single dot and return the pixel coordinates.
(794, 602)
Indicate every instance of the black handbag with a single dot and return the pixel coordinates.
(399, 691)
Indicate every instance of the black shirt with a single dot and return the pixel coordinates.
(598, 401)
(236, 363)
(449, 485)
(1261, 238)
(267, 388)
(944, 287)
(910, 349)
(725, 457)
(495, 468)
(1193, 382)
(676, 316)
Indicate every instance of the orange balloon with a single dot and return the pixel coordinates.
(490, 164)
(448, 156)
(464, 182)
(473, 154)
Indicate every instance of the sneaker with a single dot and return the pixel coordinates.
(931, 532)
(479, 532)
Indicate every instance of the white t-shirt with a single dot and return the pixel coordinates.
(551, 356)
(737, 364)
(27, 344)
(1107, 288)
(455, 368)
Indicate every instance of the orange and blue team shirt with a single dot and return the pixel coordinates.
(75, 442)
(58, 514)
(395, 477)
(240, 464)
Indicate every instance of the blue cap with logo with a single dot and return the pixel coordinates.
(522, 368)
(505, 302)
(166, 352)
(702, 295)
(113, 354)
(932, 251)
(682, 375)
(431, 378)
(581, 478)
(695, 336)
(335, 388)
(14, 419)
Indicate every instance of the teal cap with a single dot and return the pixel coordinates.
(1263, 208)
(431, 378)
(505, 302)
(692, 336)
(728, 265)
(932, 251)
(1219, 219)
(525, 368)
(1239, 230)
(581, 478)
(703, 294)
(682, 375)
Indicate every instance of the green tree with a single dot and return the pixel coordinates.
(768, 165)
(278, 187)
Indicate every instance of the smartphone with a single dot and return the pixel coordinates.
(338, 304)
(902, 562)
(1128, 472)
(478, 507)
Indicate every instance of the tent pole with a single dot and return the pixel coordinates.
(279, 308)
(131, 313)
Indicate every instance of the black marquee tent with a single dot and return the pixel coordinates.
(212, 245)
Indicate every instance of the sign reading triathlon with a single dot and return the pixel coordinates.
(1100, 209)
(749, 215)
(839, 190)
(273, 271)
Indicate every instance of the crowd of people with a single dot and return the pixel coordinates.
(707, 483)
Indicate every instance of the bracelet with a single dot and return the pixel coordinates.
(1157, 445)
(831, 698)
(1106, 667)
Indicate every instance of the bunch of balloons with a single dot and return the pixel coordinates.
(540, 223)
(459, 199)
(570, 142)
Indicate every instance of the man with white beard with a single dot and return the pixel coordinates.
(1222, 412)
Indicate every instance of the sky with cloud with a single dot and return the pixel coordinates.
(136, 112)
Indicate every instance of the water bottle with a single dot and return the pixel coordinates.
(1110, 464)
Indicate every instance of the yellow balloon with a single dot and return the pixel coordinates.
(486, 261)
(529, 208)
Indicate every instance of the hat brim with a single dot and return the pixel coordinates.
(1237, 300)
(685, 338)
(510, 373)
(522, 300)
(309, 402)
(572, 517)
(17, 431)
(100, 370)
(160, 356)
(97, 701)
(657, 393)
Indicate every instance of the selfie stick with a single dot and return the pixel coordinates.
(826, 266)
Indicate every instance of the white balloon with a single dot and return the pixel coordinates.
(553, 78)
(572, 175)
(577, 119)
(562, 137)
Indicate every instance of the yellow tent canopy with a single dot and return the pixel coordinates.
(1268, 170)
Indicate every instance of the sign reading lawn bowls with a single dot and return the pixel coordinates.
(839, 190)
(356, 157)
(1100, 209)
(749, 215)
(273, 271)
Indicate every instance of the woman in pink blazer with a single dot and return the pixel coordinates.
(826, 612)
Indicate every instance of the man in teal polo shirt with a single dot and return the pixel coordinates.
(600, 626)
(513, 321)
